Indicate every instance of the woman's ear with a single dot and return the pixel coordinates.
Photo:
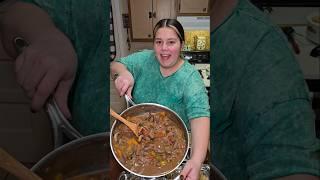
(182, 46)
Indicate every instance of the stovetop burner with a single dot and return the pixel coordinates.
(201, 61)
(197, 56)
(205, 174)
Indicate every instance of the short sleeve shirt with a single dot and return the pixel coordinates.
(263, 123)
(85, 24)
(184, 91)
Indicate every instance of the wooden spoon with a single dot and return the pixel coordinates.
(14, 167)
(133, 126)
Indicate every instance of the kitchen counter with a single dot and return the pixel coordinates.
(310, 65)
(311, 70)
(204, 70)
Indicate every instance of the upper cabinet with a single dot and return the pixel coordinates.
(144, 14)
(192, 7)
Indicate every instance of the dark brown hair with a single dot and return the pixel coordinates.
(171, 23)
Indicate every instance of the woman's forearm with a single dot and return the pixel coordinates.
(200, 134)
(25, 20)
(117, 69)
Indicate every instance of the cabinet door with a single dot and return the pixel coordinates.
(164, 9)
(193, 7)
(141, 19)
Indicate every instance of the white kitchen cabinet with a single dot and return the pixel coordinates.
(192, 7)
(144, 14)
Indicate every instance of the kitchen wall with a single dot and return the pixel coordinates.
(291, 15)
(297, 18)
(280, 15)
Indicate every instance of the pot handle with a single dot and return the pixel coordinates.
(123, 176)
(129, 101)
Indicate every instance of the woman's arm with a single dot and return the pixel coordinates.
(123, 79)
(200, 134)
(117, 69)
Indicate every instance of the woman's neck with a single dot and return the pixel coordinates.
(169, 71)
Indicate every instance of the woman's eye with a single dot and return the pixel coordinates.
(172, 42)
(158, 42)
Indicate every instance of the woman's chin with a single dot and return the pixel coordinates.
(165, 65)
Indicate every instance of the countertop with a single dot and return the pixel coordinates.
(310, 65)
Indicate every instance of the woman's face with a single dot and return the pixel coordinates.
(167, 47)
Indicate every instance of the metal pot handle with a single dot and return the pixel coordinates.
(123, 176)
(129, 101)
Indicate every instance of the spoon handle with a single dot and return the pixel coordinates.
(14, 167)
(131, 125)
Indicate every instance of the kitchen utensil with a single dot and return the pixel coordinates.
(315, 52)
(86, 158)
(313, 27)
(289, 32)
(139, 109)
(134, 127)
(17, 169)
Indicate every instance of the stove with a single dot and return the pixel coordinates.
(205, 174)
(201, 61)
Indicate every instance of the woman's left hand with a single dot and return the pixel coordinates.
(191, 170)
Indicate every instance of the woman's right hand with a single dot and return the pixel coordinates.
(47, 67)
(124, 83)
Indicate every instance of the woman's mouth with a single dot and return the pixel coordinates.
(165, 56)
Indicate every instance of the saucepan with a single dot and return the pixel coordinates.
(84, 158)
(137, 156)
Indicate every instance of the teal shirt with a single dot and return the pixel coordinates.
(262, 123)
(86, 24)
(183, 91)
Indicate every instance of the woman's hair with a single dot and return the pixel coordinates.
(171, 23)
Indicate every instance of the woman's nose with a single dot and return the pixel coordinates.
(164, 46)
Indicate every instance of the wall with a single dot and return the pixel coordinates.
(292, 15)
(296, 17)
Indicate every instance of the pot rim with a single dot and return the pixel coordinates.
(66, 146)
(163, 173)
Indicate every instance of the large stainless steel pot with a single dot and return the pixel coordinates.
(85, 158)
(151, 107)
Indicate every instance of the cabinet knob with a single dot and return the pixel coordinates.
(149, 35)
(150, 14)
(204, 9)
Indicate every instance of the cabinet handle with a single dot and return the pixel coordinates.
(204, 9)
(150, 14)
(149, 35)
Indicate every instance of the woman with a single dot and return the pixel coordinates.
(162, 76)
